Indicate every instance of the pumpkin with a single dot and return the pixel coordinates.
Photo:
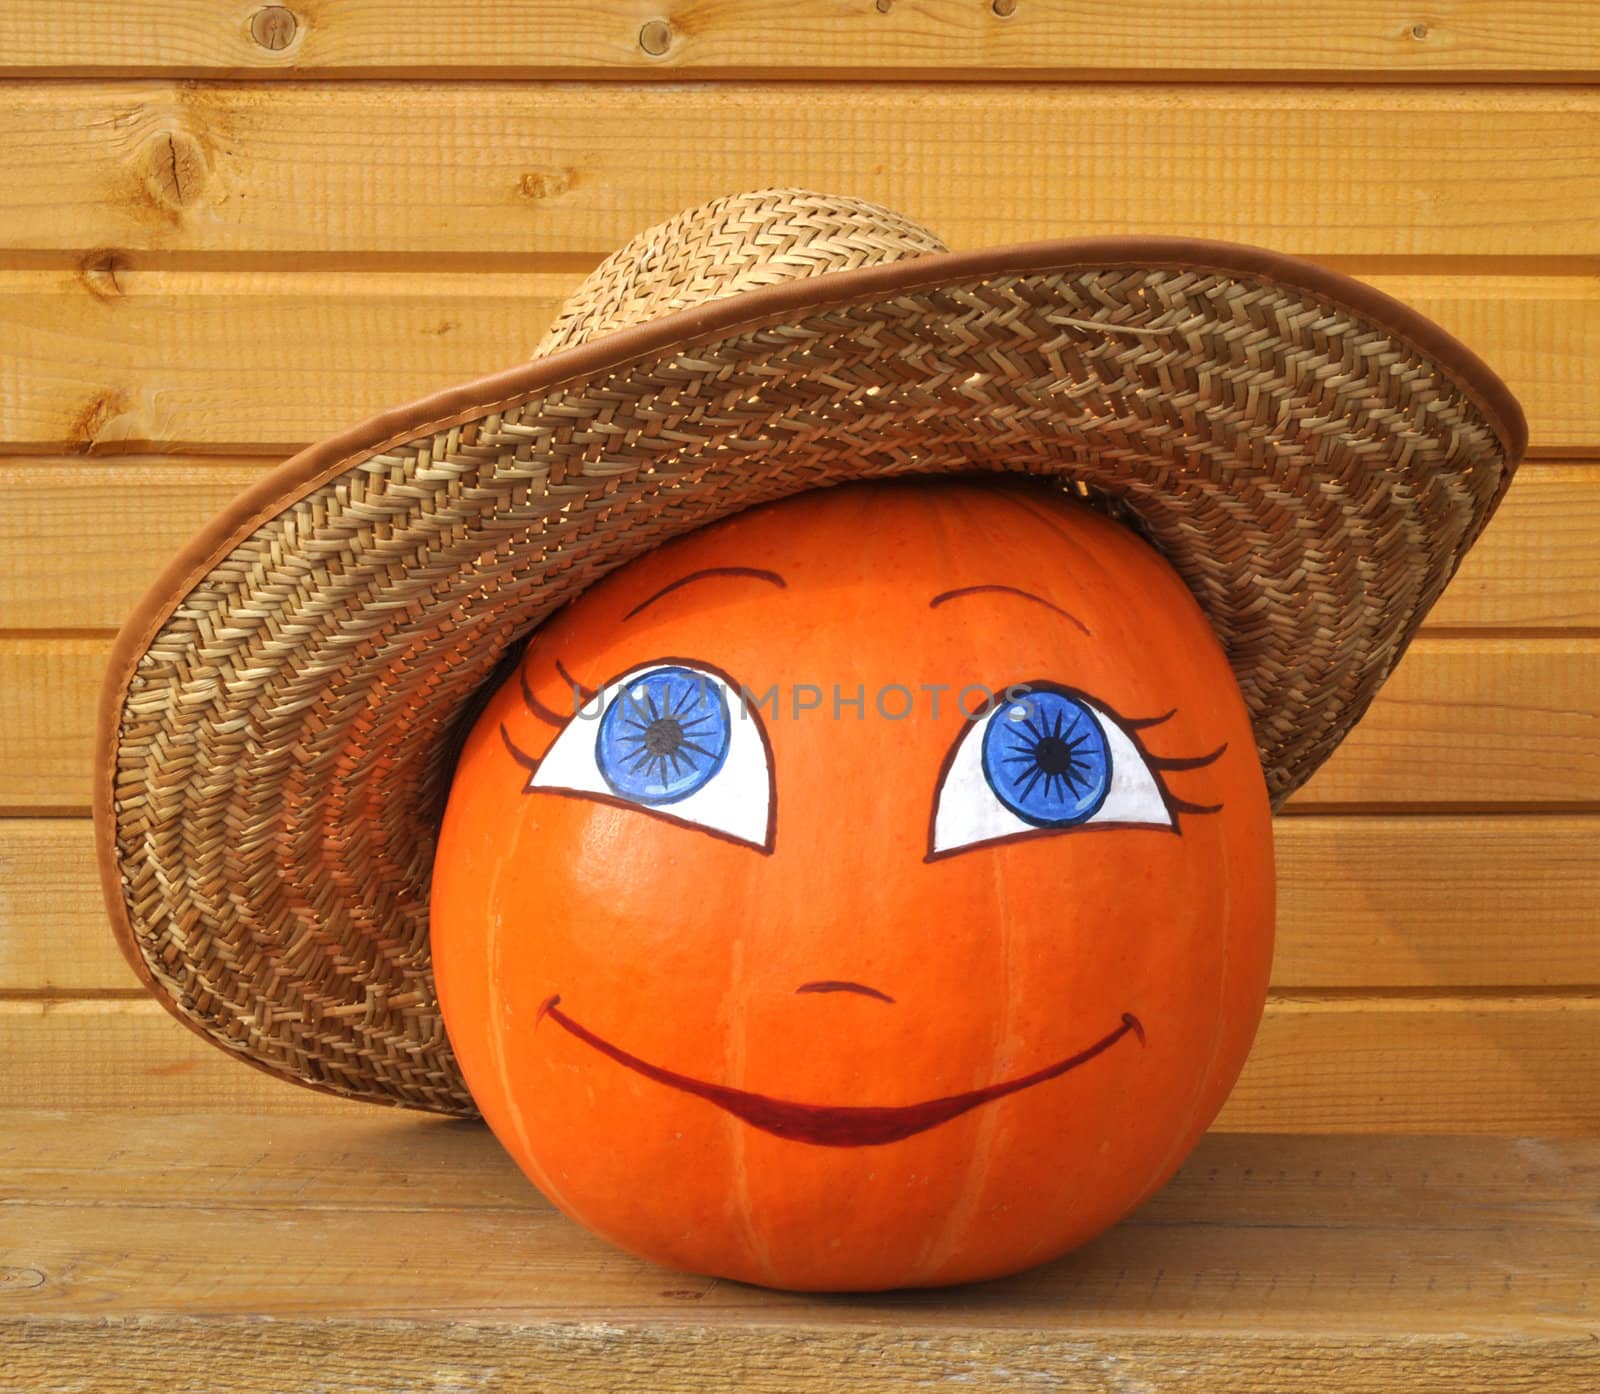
(872, 889)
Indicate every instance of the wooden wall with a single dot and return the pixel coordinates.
(230, 228)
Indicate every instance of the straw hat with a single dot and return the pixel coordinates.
(277, 728)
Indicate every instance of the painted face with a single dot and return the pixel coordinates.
(872, 889)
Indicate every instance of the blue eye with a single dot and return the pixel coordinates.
(663, 736)
(1047, 759)
(675, 739)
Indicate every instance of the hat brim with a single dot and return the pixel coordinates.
(275, 730)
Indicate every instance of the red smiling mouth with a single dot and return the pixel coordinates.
(826, 1125)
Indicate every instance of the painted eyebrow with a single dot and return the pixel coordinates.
(1006, 590)
(755, 573)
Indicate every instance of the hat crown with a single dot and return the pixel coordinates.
(733, 244)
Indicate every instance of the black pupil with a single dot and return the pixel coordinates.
(1053, 755)
(663, 736)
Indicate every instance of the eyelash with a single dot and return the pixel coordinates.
(1160, 765)
(541, 712)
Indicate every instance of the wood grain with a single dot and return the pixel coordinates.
(1538, 565)
(642, 1354)
(1422, 1064)
(1464, 721)
(1476, 721)
(327, 1262)
(54, 935)
(1469, 39)
(48, 697)
(204, 266)
(265, 359)
(578, 169)
(115, 357)
(1480, 902)
(371, 1160)
(1320, 1064)
(81, 539)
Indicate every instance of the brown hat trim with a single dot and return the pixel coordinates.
(315, 465)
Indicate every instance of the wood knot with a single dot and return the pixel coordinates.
(1419, 30)
(20, 1279)
(655, 38)
(100, 273)
(546, 183)
(95, 419)
(174, 169)
(274, 27)
(1004, 9)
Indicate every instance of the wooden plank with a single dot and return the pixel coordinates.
(128, 1053)
(1320, 1064)
(643, 1354)
(70, 560)
(1477, 721)
(54, 935)
(579, 168)
(1537, 566)
(1485, 901)
(1464, 721)
(1420, 902)
(81, 540)
(326, 1265)
(1531, 40)
(48, 696)
(434, 1165)
(266, 360)
(1422, 1064)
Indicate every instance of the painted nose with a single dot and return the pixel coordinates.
(841, 985)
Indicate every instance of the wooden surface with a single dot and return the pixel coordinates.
(574, 170)
(382, 1253)
(1334, 1062)
(1365, 903)
(112, 358)
(1471, 721)
(1537, 568)
(233, 227)
(1474, 40)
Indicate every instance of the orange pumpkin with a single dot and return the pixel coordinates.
(862, 981)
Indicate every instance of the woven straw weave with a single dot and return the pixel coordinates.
(284, 745)
(732, 244)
